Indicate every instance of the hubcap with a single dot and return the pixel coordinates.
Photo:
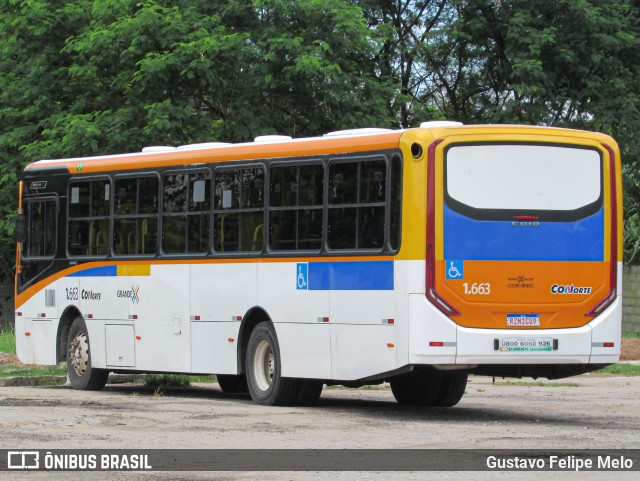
(264, 365)
(79, 353)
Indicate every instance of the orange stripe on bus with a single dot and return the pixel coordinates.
(239, 152)
(138, 268)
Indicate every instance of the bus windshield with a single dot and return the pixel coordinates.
(531, 177)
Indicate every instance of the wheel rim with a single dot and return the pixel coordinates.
(264, 365)
(79, 353)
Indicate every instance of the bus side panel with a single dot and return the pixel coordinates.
(43, 348)
(24, 345)
(39, 306)
(406, 272)
(432, 335)
(97, 338)
(164, 345)
(160, 308)
(35, 328)
(212, 350)
(362, 294)
(35, 341)
(305, 350)
(220, 295)
(222, 292)
(360, 351)
(607, 328)
(292, 299)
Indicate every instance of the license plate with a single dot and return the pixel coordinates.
(526, 344)
(523, 320)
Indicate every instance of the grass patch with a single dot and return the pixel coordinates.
(537, 384)
(631, 335)
(15, 371)
(621, 370)
(207, 379)
(8, 341)
(167, 380)
(175, 380)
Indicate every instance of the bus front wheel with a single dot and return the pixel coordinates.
(264, 380)
(82, 374)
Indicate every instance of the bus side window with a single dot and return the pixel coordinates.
(296, 207)
(88, 223)
(238, 210)
(42, 222)
(185, 216)
(357, 204)
(135, 226)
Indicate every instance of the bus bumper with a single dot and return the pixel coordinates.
(435, 339)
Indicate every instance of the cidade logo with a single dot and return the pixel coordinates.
(133, 294)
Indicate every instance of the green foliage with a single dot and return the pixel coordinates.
(82, 77)
(625, 369)
(8, 341)
(632, 213)
(166, 380)
(31, 371)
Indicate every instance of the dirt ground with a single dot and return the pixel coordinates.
(587, 411)
(8, 359)
(630, 350)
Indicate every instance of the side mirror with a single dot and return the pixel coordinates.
(20, 230)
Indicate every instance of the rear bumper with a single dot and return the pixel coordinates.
(436, 339)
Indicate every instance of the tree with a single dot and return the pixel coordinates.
(33, 91)
(81, 78)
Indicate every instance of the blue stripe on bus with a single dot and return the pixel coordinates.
(104, 271)
(351, 276)
(470, 239)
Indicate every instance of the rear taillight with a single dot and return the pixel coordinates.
(613, 254)
(430, 281)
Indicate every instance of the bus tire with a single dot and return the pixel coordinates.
(419, 387)
(263, 367)
(82, 374)
(233, 384)
(308, 393)
(452, 388)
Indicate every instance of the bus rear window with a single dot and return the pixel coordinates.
(522, 178)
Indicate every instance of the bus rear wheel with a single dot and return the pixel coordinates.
(452, 388)
(420, 387)
(308, 392)
(82, 374)
(264, 380)
(233, 384)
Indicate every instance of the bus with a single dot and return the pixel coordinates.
(414, 257)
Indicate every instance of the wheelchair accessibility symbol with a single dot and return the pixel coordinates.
(455, 269)
(302, 276)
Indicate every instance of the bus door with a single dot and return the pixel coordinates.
(38, 240)
(37, 250)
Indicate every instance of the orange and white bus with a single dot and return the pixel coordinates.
(413, 257)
